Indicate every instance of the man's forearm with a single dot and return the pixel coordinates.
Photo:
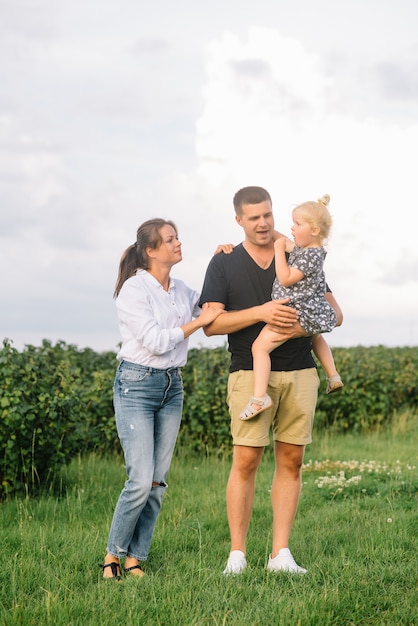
(232, 321)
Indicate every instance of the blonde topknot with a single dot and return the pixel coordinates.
(325, 200)
(317, 214)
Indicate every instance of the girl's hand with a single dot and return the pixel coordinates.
(226, 248)
(289, 245)
(280, 244)
(283, 244)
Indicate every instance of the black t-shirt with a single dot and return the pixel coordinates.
(239, 283)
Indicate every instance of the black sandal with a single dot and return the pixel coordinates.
(129, 569)
(115, 567)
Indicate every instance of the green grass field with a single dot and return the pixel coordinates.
(356, 532)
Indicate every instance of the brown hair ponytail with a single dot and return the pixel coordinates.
(135, 256)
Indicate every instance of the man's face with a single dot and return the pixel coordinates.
(258, 222)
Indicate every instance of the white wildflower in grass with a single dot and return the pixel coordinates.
(342, 477)
(364, 467)
(337, 483)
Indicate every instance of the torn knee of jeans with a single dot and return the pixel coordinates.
(160, 484)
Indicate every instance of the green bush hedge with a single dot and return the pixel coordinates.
(40, 415)
(378, 382)
(56, 402)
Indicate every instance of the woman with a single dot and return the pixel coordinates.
(156, 316)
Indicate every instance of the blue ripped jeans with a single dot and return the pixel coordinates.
(148, 406)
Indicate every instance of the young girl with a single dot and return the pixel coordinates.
(300, 278)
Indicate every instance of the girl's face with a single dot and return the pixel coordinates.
(304, 234)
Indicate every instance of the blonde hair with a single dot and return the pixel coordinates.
(317, 215)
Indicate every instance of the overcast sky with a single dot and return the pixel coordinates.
(113, 112)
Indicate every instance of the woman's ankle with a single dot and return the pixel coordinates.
(109, 558)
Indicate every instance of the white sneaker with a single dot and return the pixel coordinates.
(236, 563)
(284, 562)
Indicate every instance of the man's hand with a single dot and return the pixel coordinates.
(282, 319)
(290, 332)
(276, 313)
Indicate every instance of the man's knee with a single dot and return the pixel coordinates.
(289, 456)
(246, 459)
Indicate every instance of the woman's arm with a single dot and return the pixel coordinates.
(207, 316)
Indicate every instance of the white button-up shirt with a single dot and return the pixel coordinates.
(150, 320)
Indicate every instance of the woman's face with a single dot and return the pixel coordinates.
(169, 250)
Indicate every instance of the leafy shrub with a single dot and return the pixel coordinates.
(205, 420)
(40, 416)
(57, 401)
(378, 382)
(95, 392)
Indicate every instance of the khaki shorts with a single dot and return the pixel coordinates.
(291, 417)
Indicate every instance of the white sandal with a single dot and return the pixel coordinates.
(334, 383)
(263, 403)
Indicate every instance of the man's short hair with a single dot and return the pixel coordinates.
(249, 195)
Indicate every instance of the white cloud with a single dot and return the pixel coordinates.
(271, 118)
(110, 115)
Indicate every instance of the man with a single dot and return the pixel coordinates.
(240, 283)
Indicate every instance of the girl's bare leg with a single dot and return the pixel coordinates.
(324, 355)
(262, 346)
